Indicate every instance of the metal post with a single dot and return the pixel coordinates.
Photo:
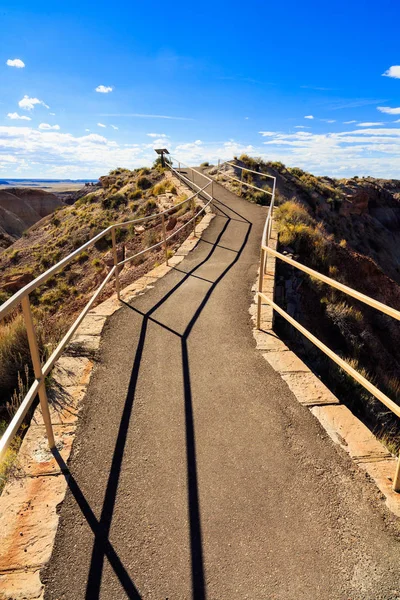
(165, 238)
(37, 369)
(396, 481)
(194, 214)
(115, 257)
(260, 287)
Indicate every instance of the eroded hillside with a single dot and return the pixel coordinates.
(124, 195)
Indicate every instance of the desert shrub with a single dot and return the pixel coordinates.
(205, 164)
(260, 198)
(97, 264)
(88, 199)
(55, 221)
(114, 201)
(164, 186)
(143, 183)
(14, 256)
(135, 195)
(119, 171)
(14, 353)
(150, 238)
(297, 228)
(83, 257)
(148, 207)
(251, 163)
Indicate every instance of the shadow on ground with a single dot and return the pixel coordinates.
(102, 547)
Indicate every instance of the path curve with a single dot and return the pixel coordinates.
(195, 472)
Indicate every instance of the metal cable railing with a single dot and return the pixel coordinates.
(22, 298)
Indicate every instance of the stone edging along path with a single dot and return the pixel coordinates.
(28, 504)
(338, 421)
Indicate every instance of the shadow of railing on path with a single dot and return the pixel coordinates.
(102, 547)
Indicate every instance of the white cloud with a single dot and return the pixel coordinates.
(157, 135)
(104, 89)
(367, 124)
(309, 117)
(29, 103)
(373, 151)
(389, 111)
(16, 116)
(393, 72)
(52, 114)
(48, 127)
(328, 120)
(114, 127)
(101, 125)
(349, 122)
(267, 133)
(15, 62)
(87, 129)
(301, 127)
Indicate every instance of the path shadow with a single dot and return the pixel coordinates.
(102, 547)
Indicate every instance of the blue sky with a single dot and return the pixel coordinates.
(206, 80)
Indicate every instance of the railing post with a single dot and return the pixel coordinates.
(260, 286)
(194, 215)
(115, 258)
(396, 481)
(37, 369)
(241, 182)
(164, 238)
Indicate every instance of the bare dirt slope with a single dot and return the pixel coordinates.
(20, 208)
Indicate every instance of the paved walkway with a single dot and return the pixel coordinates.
(195, 472)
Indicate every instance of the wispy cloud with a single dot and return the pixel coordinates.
(349, 122)
(144, 116)
(16, 116)
(157, 135)
(16, 62)
(104, 89)
(388, 110)
(329, 120)
(101, 125)
(48, 127)
(339, 103)
(369, 124)
(393, 72)
(318, 88)
(28, 103)
(309, 117)
(301, 127)
(114, 126)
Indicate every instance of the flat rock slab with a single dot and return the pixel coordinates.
(382, 472)
(14, 585)
(28, 521)
(345, 429)
(35, 457)
(65, 404)
(72, 370)
(308, 389)
(92, 324)
(286, 362)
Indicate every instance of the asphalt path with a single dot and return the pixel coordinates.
(195, 472)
